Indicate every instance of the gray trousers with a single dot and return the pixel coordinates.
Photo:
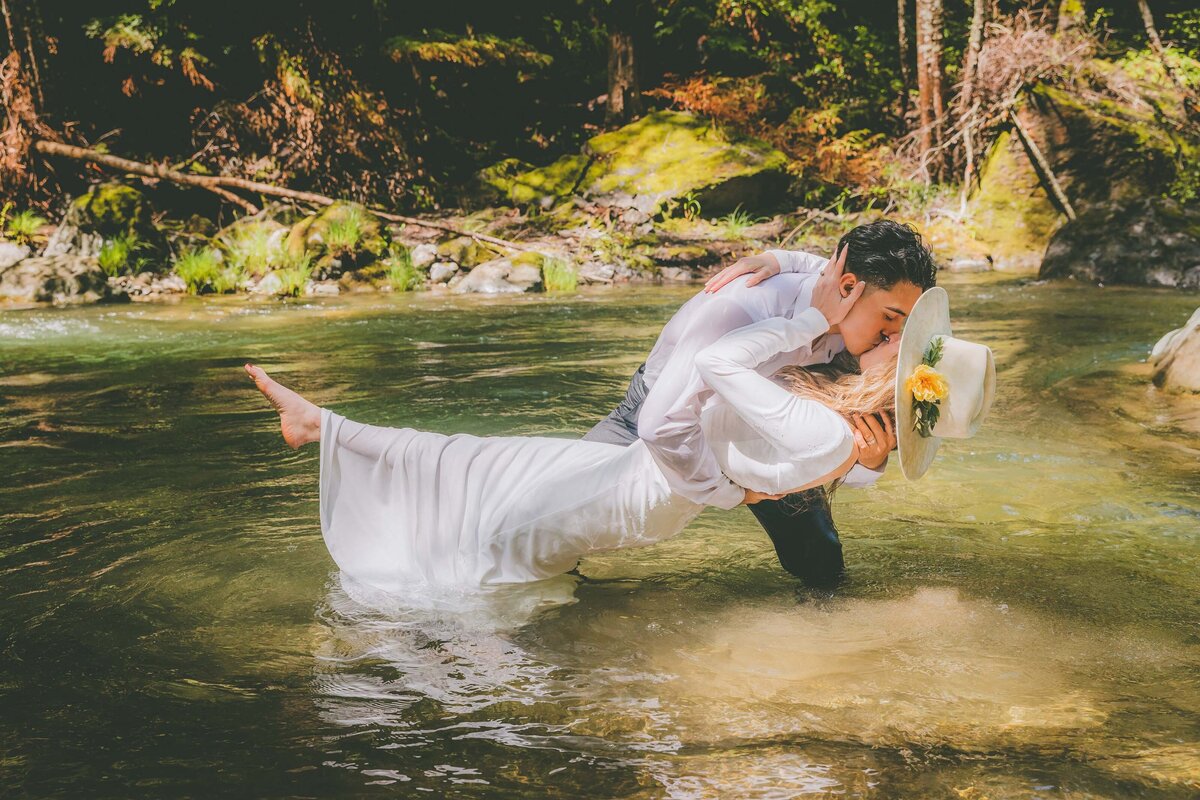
(800, 525)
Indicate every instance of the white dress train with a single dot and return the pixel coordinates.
(401, 506)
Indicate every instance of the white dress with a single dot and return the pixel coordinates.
(402, 507)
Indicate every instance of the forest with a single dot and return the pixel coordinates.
(990, 124)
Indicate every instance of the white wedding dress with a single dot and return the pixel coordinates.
(402, 507)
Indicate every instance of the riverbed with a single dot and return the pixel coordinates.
(1021, 623)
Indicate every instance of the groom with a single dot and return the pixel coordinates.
(666, 390)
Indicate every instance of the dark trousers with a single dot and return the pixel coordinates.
(800, 525)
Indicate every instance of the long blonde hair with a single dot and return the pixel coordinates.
(841, 386)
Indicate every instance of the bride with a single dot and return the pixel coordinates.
(400, 506)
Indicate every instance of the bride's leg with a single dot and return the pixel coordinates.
(299, 420)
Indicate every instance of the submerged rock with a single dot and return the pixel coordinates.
(662, 156)
(1176, 358)
(55, 279)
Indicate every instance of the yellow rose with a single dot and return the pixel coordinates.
(927, 384)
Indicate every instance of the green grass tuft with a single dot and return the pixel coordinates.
(123, 254)
(402, 274)
(199, 269)
(559, 276)
(735, 223)
(343, 235)
(294, 274)
(24, 226)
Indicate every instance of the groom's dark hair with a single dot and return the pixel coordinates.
(884, 252)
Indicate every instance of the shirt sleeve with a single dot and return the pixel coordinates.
(795, 424)
(669, 419)
(860, 477)
(798, 261)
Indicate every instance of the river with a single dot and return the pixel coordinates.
(1023, 622)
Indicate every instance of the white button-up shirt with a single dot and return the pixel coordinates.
(669, 420)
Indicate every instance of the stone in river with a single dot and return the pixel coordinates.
(424, 254)
(500, 276)
(1176, 358)
(55, 279)
(11, 253)
(442, 271)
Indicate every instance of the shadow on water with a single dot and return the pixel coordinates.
(1022, 623)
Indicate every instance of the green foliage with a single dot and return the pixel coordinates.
(735, 223)
(23, 227)
(558, 275)
(123, 254)
(345, 232)
(467, 51)
(200, 269)
(402, 274)
(250, 251)
(294, 274)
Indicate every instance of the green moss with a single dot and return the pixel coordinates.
(466, 251)
(113, 208)
(665, 154)
(357, 235)
(1011, 213)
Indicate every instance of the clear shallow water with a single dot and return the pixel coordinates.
(1022, 623)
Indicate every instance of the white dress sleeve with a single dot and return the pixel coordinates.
(669, 419)
(806, 432)
(798, 261)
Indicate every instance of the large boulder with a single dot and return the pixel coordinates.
(1119, 157)
(1176, 358)
(662, 156)
(342, 236)
(55, 279)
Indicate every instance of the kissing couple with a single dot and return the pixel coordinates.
(787, 374)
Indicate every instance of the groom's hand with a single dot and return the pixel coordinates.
(836, 291)
(763, 266)
(753, 497)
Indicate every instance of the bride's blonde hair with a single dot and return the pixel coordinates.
(841, 386)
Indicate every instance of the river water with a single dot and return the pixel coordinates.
(1021, 623)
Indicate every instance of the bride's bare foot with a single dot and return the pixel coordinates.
(299, 419)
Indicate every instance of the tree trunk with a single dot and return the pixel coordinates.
(1189, 99)
(931, 103)
(905, 47)
(1071, 15)
(624, 94)
(971, 60)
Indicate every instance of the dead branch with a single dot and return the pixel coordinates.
(1042, 167)
(220, 184)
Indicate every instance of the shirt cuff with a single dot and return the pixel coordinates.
(860, 477)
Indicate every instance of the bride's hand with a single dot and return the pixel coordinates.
(834, 296)
(753, 497)
(763, 265)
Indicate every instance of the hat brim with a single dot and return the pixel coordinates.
(930, 316)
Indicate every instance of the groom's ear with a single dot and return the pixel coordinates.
(847, 283)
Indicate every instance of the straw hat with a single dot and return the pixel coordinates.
(952, 395)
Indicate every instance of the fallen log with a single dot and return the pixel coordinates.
(220, 184)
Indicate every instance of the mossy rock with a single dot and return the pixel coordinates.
(1012, 218)
(663, 155)
(325, 235)
(466, 251)
(113, 209)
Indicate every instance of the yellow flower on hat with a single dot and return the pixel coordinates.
(927, 384)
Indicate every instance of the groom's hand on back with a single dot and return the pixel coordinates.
(763, 265)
